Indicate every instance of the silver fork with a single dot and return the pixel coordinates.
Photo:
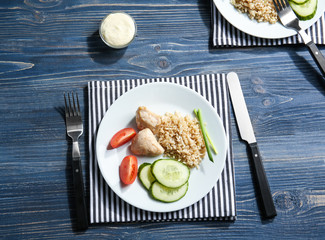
(289, 19)
(74, 131)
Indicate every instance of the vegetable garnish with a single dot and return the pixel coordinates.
(128, 169)
(208, 136)
(205, 134)
(165, 179)
(122, 137)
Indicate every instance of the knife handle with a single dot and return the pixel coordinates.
(263, 185)
(317, 56)
(81, 209)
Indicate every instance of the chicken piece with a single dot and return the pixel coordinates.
(147, 119)
(146, 144)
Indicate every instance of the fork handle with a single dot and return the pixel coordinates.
(82, 219)
(317, 56)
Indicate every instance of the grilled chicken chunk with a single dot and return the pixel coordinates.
(147, 119)
(146, 144)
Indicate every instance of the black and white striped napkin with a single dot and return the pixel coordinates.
(106, 206)
(224, 34)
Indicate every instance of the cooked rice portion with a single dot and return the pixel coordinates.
(181, 138)
(260, 10)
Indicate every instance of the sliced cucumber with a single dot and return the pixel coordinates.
(145, 175)
(165, 194)
(306, 10)
(173, 175)
(299, 1)
(170, 173)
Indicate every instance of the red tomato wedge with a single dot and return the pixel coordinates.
(129, 169)
(122, 137)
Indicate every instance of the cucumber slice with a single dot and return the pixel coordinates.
(306, 10)
(165, 194)
(142, 166)
(145, 175)
(299, 1)
(170, 173)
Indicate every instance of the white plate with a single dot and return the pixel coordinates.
(159, 98)
(262, 30)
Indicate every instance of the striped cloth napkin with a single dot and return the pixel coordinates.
(224, 34)
(106, 206)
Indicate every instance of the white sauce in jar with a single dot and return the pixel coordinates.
(118, 30)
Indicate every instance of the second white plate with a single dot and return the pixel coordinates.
(262, 30)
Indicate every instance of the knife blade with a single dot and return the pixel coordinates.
(247, 134)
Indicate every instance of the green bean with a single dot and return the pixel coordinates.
(208, 136)
(203, 130)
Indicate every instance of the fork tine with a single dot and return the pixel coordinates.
(285, 3)
(70, 104)
(277, 5)
(67, 110)
(78, 107)
(281, 5)
(73, 106)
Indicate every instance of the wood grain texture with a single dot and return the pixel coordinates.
(49, 47)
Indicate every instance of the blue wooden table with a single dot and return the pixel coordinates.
(50, 47)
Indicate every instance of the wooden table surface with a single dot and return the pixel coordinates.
(50, 47)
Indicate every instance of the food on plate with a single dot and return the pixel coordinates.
(177, 136)
(203, 129)
(165, 194)
(128, 169)
(206, 138)
(170, 173)
(264, 10)
(122, 137)
(260, 10)
(145, 144)
(147, 119)
(304, 9)
(182, 139)
(145, 175)
(166, 179)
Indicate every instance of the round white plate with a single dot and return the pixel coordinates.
(159, 98)
(262, 30)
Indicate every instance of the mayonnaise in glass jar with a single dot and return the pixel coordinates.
(118, 30)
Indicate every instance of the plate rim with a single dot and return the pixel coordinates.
(224, 150)
(224, 7)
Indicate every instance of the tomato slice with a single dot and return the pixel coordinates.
(129, 169)
(122, 137)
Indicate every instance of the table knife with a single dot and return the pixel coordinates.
(247, 134)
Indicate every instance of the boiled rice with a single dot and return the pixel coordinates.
(260, 10)
(181, 138)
